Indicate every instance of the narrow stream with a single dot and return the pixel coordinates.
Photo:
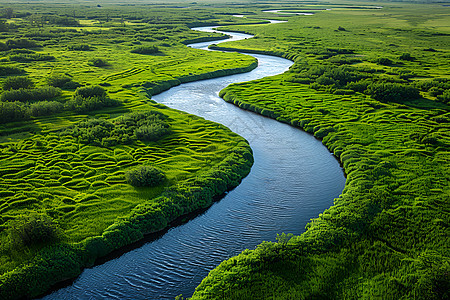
(294, 178)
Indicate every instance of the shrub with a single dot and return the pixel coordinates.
(145, 176)
(82, 104)
(33, 230)
(21, 43)
(62, 81)
(98, 62)
(358, 86)
(436, 91)
(7, 70)
(389, 91)
(24, 95)
(384, 61)
(145, 50)
(445, 97)
(406, 56)
(90, 91)
(151, 132)
(17, 82)
(325, 80)
(43, 108)
(12, 111)
(3, 47)
(90, 98)
(147, 125)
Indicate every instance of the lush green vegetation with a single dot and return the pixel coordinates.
(88, 162)
(373, 85)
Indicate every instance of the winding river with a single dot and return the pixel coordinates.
(294, 178)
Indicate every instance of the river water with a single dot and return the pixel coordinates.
(293, 179)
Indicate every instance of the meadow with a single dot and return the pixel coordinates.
(373, 85)
(88, 162)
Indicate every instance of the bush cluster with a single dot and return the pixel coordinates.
(146, 125)
(98, 62)
(13, 111)
(24, 57)
(33, 230)
(17, 82)
(90, 98)
(145, 176)
(19, 111)
(391, 91)
(145, 50)
(344, 79)
(438, 87)
(25, 95)
(62, 81)
(7, 70)
(79, 47)
(21, 43)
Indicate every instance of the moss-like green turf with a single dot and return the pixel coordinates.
(387, 235)
(80, 189)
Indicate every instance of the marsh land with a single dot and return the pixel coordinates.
(90, 163)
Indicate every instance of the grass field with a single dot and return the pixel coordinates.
(372, 83)
(65, 153)
(386, 236)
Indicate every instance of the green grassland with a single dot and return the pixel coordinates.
(65, 153)
(387, 121)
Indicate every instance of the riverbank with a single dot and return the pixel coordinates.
(61, 262)
(385, 236)
(69, 192)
